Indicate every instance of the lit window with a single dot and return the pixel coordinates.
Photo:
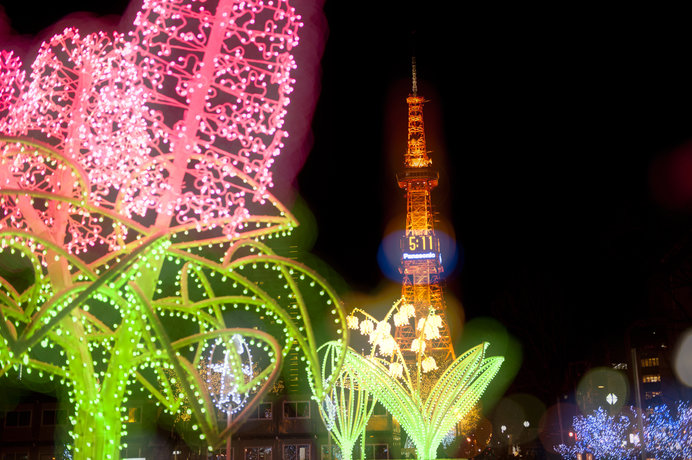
(324, 452)
(296, 452)
(133, 415)
(297, 409)
(649, 362)
(652, 394)
(653, 378)
(376, 451)
(263, 411)
(257, 453)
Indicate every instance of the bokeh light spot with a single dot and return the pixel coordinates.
(670, 177)
(602, 387)
(520, 414)
(682, 362)
(554, 424)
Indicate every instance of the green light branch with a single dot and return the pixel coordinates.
(170, 354)
(238, 284)
(349, 405)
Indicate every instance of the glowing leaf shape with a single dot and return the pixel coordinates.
(85, 99)
(83, 107)
(231, 294)
(219, 72)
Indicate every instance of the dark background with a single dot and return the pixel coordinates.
(561, 136)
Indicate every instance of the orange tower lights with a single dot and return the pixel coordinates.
(421, 264)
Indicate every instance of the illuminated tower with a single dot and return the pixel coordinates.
(421, 261)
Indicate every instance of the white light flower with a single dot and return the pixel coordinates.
(352, 322)
(418, 345)
(388, 345)
(396, 370)
(434, 319)
(432, 332)
(430, 326)
(429, 364)
(366, 327)
(399, 319)
(408, 310)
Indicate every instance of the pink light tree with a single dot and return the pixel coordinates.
(134, 195)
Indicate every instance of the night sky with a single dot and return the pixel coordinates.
(560, 136)
(561, 146)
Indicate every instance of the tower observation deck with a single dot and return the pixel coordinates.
(421, 259)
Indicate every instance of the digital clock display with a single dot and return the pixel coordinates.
(416, 247)
(420, 243)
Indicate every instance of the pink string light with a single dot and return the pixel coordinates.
(174, 125)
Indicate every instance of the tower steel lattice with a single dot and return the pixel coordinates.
(421, 264)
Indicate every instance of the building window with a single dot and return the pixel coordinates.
(324, 452)
(652, 378)
(50, 417)
(17, 418)
(376, 451)
(297, 409)
(15, 456)
(219, 454)
(257, 453)
(134, 415)
(296, 452)
(263, 411)
(649, 362)
(652, 394)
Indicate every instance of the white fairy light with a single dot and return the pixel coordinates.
(428, 364)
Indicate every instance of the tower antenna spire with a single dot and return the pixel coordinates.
(414, 77)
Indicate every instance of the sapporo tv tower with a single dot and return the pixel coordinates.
(421, 260)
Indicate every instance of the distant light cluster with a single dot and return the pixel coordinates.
(667, 433)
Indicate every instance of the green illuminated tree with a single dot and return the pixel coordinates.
(349, 405)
